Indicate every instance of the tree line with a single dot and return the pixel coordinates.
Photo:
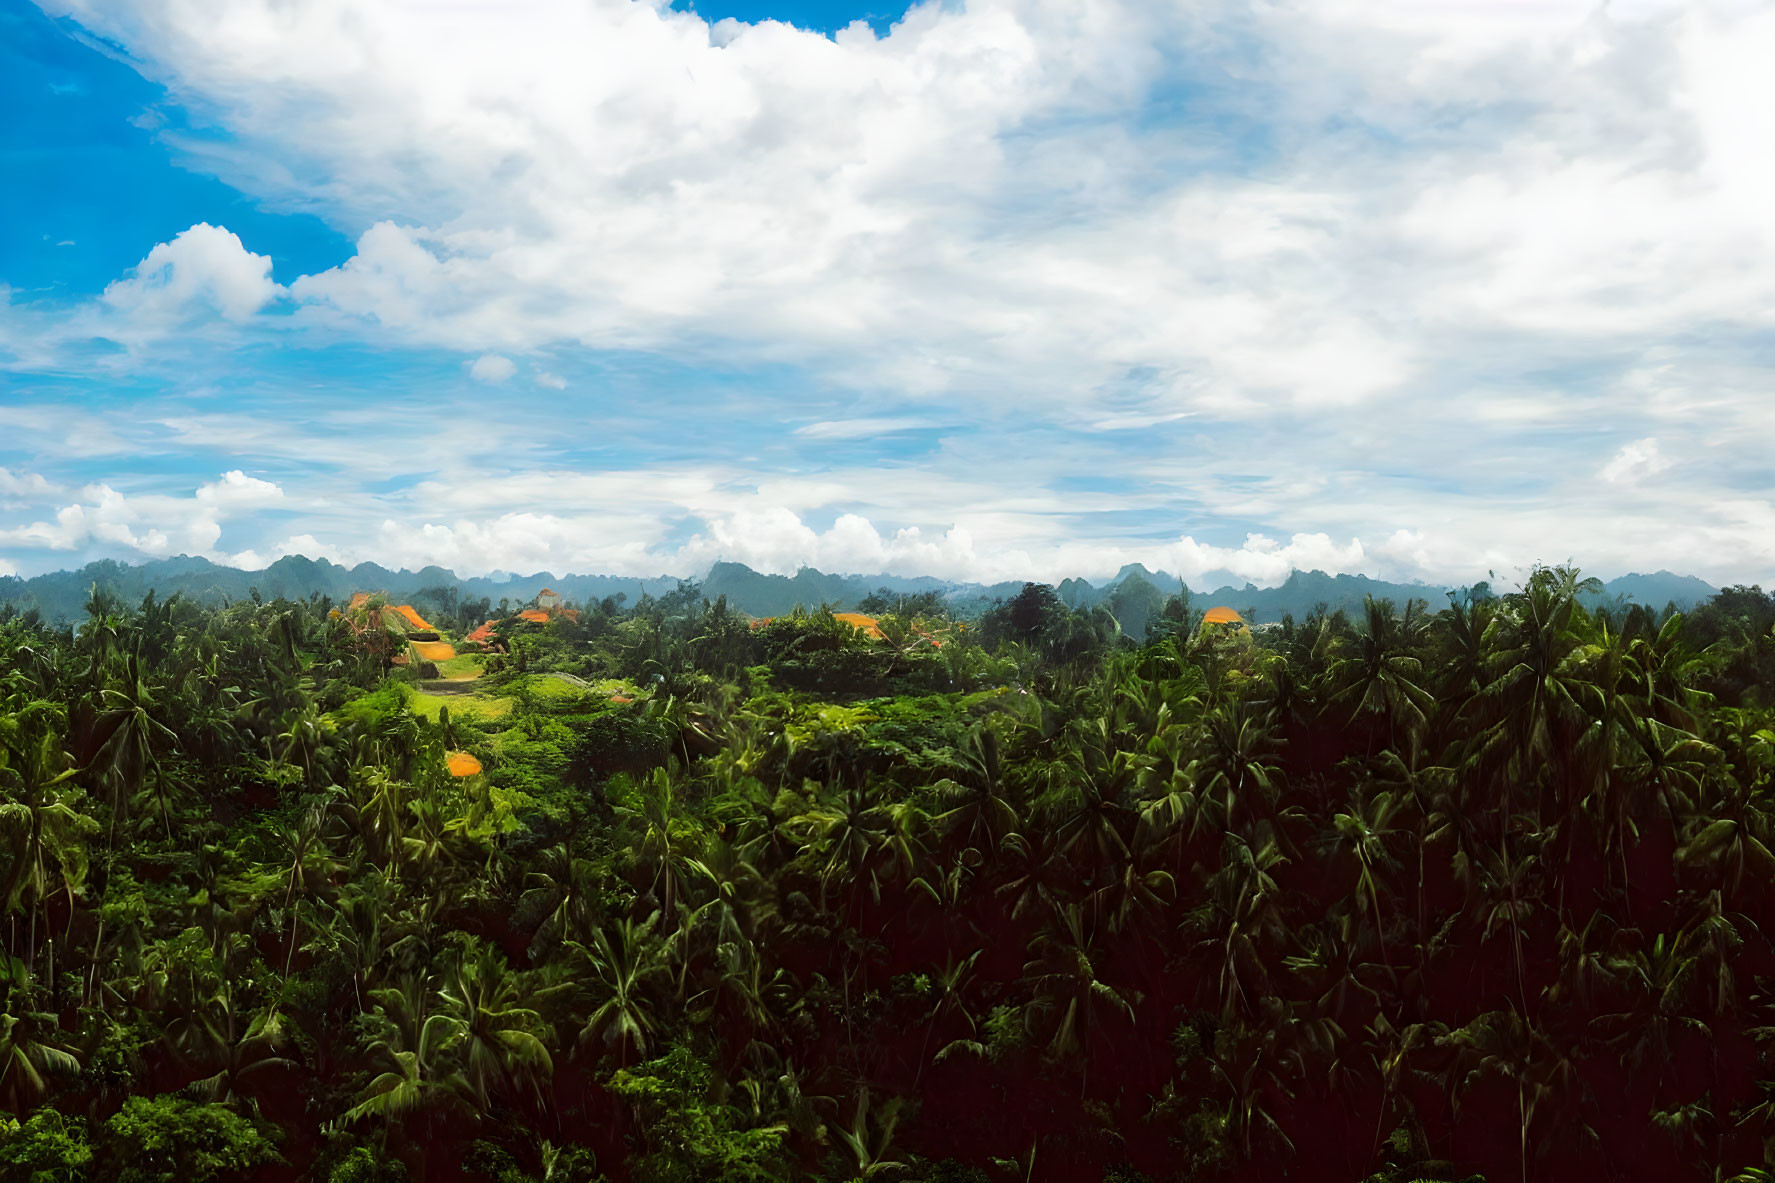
(1475, 892)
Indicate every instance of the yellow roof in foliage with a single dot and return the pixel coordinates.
(1222, 616)
(858, 620)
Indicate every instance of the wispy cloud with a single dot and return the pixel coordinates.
(860, 429)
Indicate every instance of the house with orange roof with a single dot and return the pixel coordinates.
(1223, 617)
(360, 602)
(412, 617)
(859, 621)
(868, 625)
(485, 639)
(548, 600)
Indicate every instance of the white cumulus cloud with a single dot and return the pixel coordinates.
(203, 268)
(491, 367)
(147, 525)
(1634, 462)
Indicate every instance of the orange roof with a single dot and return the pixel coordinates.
(413, 618)
(534, 616)
(484, 633)
(434, 650)
(462, 764)
(858, 620)
(1222, 616)
(358, 600)
(546, 592)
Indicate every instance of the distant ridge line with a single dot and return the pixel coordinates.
(62, 595)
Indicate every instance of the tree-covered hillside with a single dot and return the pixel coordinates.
(652, 891)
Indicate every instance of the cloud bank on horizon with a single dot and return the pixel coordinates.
(1011, 288)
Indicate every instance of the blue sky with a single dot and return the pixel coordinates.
(983, 289)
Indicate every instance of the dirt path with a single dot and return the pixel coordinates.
(448, 687)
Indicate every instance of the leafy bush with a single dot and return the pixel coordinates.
(154, 1140)
(47, 1147)
(621, 741)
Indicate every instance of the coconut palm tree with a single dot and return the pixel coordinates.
(1036, 879)
(654, 810)
(1070, 1004)
(239, 1052)
(979, 808)
(41, 823)
(1242, 920)
(421, 1080)
(868, 1139)
(1367, 836)
(1235, 762)
(1379, 676)
(559, 898)
(501, 1046)
(1249, 1076)
(134, 738)
(1657, 980)
(616, 972)
(1085, 799)
(1503, 1043)
(844, 835)
(1536, 701)
(32, 1052)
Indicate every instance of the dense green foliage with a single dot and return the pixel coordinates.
(1413, 895)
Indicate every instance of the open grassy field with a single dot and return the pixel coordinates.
(463, 667)
(554, 688)
(462, 706)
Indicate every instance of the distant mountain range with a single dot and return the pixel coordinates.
(61, 595)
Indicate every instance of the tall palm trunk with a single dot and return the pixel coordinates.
(1522, 1115)
(1515, 925)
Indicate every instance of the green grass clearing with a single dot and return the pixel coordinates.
(462, 706)
(545, 687)
(463, 667)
